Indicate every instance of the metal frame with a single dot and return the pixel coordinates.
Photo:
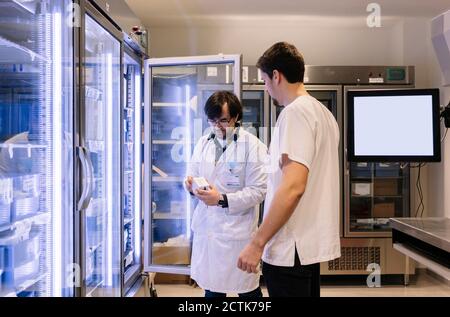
(86, 8)
(77, 215)
(129, 279)
(347, 189)
(172, 61)
(434, 157)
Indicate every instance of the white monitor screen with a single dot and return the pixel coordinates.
(394, 125)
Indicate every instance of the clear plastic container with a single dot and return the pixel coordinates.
(21, 258)
(25, 196)
(94, 116)
(24, 206)
(26, 185)
(6, 191)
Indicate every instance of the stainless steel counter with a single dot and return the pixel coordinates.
(434, 231)
(426, 240)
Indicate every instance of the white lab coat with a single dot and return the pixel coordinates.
(220, 234)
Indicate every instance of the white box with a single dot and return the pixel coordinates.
(362, 189)
(199, 183)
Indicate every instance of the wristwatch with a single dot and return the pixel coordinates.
(223, 202)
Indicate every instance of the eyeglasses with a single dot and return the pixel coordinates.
(221, 121)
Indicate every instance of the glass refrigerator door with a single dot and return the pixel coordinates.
(131, 176)
(255, 101)
(377, 192)
(327, 95)
(176, 90)
(374, 192)
(100, 160)
(36, 149)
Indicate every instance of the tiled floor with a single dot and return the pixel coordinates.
(424, 285)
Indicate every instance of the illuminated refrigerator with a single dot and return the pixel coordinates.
(256, 103)
(36, 149)
(70, 151)
(109, 156)
(176, 90)
(132, 168)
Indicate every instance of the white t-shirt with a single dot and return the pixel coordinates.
(308, 133)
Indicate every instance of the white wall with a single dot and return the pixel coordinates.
(323, 41)
(418, 51)
(326, 41)
(439, 174)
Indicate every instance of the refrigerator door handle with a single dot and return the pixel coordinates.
(84, 176)
(90, 167)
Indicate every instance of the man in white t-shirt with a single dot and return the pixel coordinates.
(301, 217)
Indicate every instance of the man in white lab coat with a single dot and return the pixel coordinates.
(301, 216)
(232, 161)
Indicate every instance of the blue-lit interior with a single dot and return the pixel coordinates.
(36, 91)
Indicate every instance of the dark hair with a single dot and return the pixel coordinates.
(286, 59)
(215, 103)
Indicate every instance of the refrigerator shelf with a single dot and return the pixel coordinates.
(373, 221)
(362, 196)
(169, 104)
(166, 142)
(167, 216)
(93, 286)
(28, 146)
(40, 218)
(18, 77)
(167, 179)
(12, 53)
(376, 177)
(94, 247)
(127, 220)
(7, 293)
(29, 283)
(16, 29)
(388, 196)
(95, 146)
(20, 9)
(129, 258)
(93, 93)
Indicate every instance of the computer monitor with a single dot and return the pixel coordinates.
(393, 125)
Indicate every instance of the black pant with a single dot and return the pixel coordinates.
(255, 293)
(297, 281)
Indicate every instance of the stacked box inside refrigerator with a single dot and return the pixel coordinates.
(131, 164)
(378, 191)
(35, 126)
